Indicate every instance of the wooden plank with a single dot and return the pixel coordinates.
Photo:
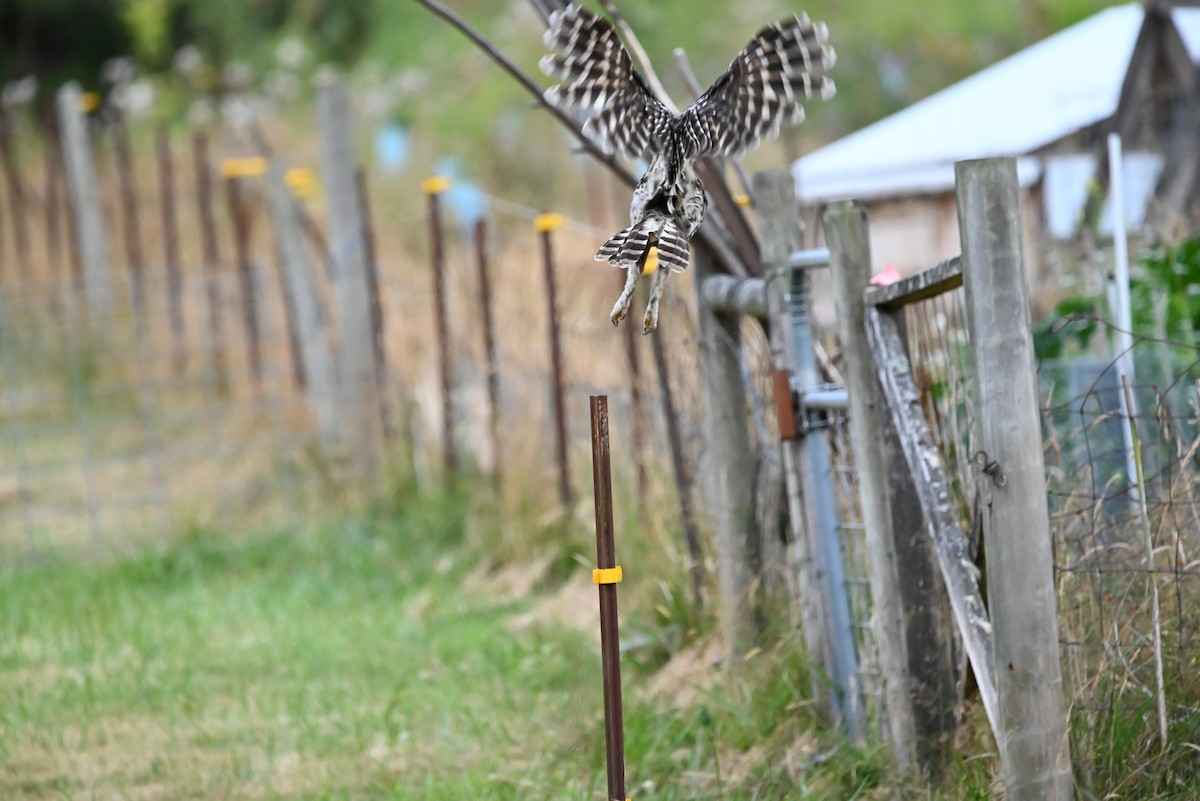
(91, 240)
(1034, 743)
(358, 380)
(940, 512)
(911, 618)
(724, 293)
(935, 281)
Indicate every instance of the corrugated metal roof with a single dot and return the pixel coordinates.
(1035, 97)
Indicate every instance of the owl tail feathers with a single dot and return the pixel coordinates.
(630, 247)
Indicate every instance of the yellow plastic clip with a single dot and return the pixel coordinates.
(435, 185)
(741, 199)
(607, 575)
(249, 167)
(302, 181)
(548, 222)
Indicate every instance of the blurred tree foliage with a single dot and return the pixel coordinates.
(60, 39)
(891, 54)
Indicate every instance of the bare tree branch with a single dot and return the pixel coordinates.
(738, 254)
(639, 53)
(522, 78)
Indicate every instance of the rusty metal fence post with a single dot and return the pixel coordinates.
(607, 575)
(489, 346)
(546, 224)
(241, 241)
(433, 189)
(211, 257)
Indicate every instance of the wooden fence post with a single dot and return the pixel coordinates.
(212, 256)
(781, 235)
(729, 468)
(910, 618)
(358, 380)
(1034, 744)
(90, 238)
(300, 287)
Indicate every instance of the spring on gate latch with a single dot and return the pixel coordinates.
(989, 467)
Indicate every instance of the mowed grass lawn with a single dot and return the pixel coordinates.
(362, 660)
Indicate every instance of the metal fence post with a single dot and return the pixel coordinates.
(911, 617)
(433, 187)
(1034, 745)
(546, 224)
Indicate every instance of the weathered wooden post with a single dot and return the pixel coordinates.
(823, 601)
(211, 256)
(300, 286)
(357, 377)
(170, 227)
(729, 469)
(911, 617)
(1034, 745)
(781, 234)
(90, 238)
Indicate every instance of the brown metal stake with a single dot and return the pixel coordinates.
(377, 338)
(433, 188)
(545, 224)
(606, 563)
(683, 482)
(241, 240)
(489, 345)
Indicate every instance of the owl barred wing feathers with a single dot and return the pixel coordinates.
(782, 65)
(600, 78)
(763, 88)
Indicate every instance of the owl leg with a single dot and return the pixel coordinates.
(621, 307)
(656, 289)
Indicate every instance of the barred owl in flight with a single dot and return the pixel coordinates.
(783, 64)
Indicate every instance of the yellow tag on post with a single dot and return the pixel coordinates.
(607, 575)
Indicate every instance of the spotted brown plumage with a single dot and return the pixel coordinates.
(762, 89)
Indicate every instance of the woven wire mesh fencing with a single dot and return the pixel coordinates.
(1124, 490)
(177, 404)
(1126, 569)
(186, 401)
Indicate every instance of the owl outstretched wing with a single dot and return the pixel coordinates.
(783, 64)
(600, 80)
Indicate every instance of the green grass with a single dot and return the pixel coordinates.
(366, 659)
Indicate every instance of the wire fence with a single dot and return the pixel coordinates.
(1126, 565)
(185, 402)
